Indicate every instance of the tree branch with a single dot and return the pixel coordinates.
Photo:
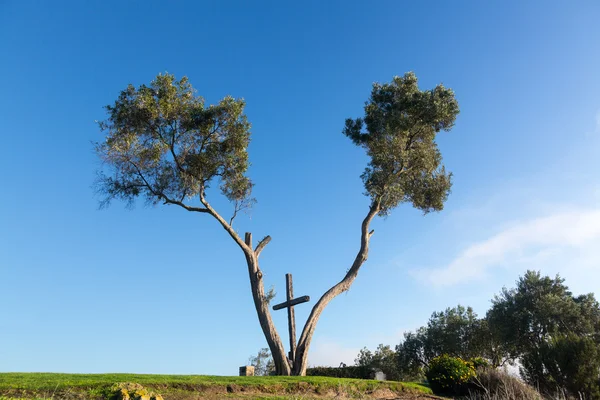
(245, 248)
(261, 245)
(161, 195)
(340, 287)
(207, 207)
(183, 205)
(237, 207)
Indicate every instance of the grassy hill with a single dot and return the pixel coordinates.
(188, 387)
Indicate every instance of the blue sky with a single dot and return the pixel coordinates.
(159, 290)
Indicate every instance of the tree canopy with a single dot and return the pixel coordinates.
(401, 123)
(166, 145)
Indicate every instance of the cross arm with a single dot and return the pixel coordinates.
(291, 303)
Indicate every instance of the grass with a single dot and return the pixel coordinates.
(184, 387)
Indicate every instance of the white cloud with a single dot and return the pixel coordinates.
(326, 353)
(539, 241)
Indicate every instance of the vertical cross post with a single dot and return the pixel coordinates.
(291, 316)
(289, 304)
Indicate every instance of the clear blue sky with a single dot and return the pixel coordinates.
(159, 290)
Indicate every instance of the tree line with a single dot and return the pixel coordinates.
(538, 328)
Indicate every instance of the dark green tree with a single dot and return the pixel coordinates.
(554, 335)
(411, 357)
(382, 359)
(453, 332)
(570, 362)
(456, 332)
(165, 145)
(401, 124)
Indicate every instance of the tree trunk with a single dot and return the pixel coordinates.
(282, 366)
(301, 359)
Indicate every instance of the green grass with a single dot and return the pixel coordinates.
(182, 387)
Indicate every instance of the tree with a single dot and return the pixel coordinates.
(554, 335)
(453, 332)
(163, 144)
(411, 357)
(263, 363)
(383, 359)
(456, 332)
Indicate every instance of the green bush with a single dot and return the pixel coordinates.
(479, 363)
(356, 372)
(449, 375)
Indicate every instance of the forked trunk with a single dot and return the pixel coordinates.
(282, 363)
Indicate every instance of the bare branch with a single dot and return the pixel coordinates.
(237, 207)
(335, 290)
(261, 245)
(183, 205)
(245, 248)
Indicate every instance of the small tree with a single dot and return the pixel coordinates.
(163, 144)
(456, 332)
(383, 359)
(263, 363)
(411, 356)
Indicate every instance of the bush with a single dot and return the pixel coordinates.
(356, 372)
(449, 375)
(479, 363)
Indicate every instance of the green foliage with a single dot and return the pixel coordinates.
(479, 363)
(410, 355)
(554, 335)
(456, 332)
(449, 375)
(401, 124)
(263, 363)
(354, 372)
(164, 144)
(567, 363)
(383, 359)
(131, 391)
(453, 332)
(270, 294)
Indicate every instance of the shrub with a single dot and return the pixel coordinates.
(449, 375)
(131, 391)
(479, 363)
(356, 372)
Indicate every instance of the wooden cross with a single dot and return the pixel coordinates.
(289, 304)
